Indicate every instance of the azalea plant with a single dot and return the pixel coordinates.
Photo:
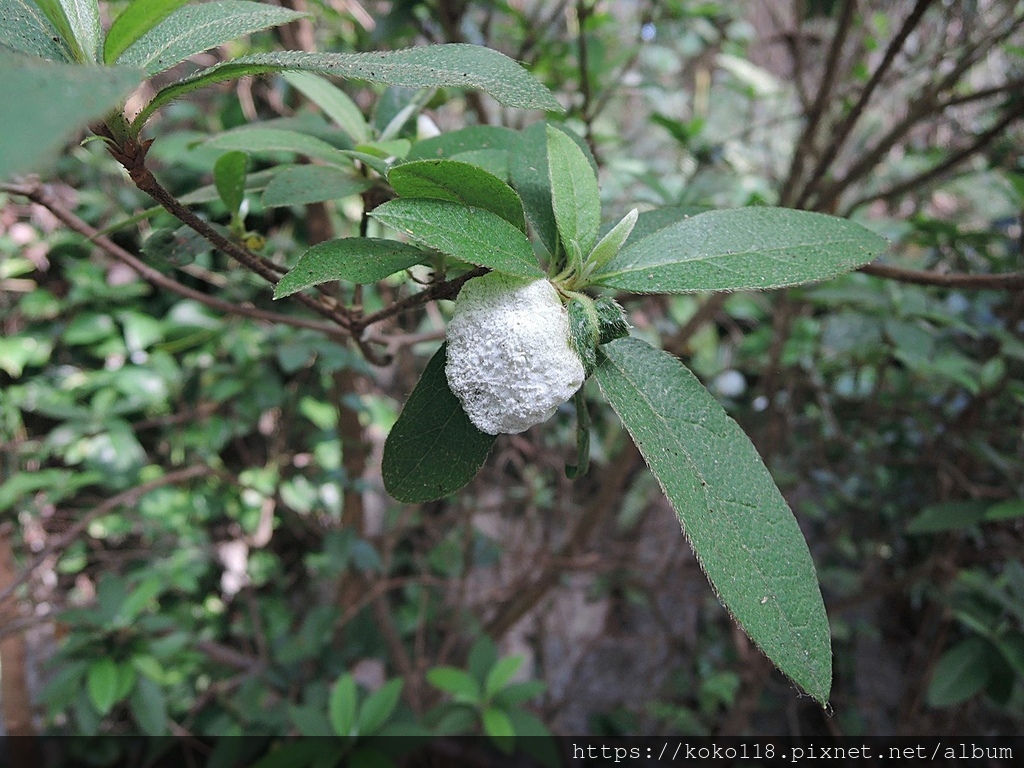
(509, 224)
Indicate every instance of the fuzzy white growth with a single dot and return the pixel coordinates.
(509, 359)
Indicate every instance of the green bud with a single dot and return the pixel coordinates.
(584, 330)
(611, 319)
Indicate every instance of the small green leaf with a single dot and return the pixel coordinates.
(458, 182)
(354, 259)
(138, 598)
(947, 516)
(78, 22)
(27, 30)
(229, 178)
(497, 724)
(53, 101)
(472, 139)
(149, 707)
(456, 682)
(334, 102)
(1005, 510)
(342, 706)
(962, 672)
(310, 720)
(517, 693)
(741, 249)
(528, 169)
(304, 184)
(193, 29)
(379, 706)
(500, 674)
(482, 656)
(575, 197)
(259, 140)
(102, 683)
(467, 233)
(739, 525)
(133, 22)
(611, 243)
(433, 449)
(432, 66)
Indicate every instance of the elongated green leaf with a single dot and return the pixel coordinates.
(78, 23)
(335, 103)
(947, 516)
(149, 707)
(575, 196)
(433, 449)
(355, 259)
(962, 672)
(741, 249)
(740, 527)
(501, 673)
(456, 682)
(303, 184)
(458, 182)
(101, 683)
(229, 178)
(53, 101)
(193, 29)
(471, 139)
(470, 234)
(497, 723)
(435, 66)
(27, 30)
(379, 706)
(528, 169)
(134, 21)
(612, 242)
(257, 140)
(342, 706)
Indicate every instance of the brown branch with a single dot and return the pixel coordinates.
(1011, 281)
(937, 171)
(129, 497)
(40, 195)
(448, 289)
(840, 135)
(132, 155)
(814, 118)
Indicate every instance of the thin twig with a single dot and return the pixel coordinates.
(40, 195)
(448, 289)
(128, 497)
(1011, 281)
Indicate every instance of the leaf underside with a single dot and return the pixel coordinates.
(740, 527)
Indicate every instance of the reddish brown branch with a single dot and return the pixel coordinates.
(1012, 281)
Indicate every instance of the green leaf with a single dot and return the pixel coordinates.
(501, 673)
(1005, 510)
(137, 600)
(27, 30)
(433, 449)
(458, 182)
(575, 197)
(528, 169)
(53, 101)
(134, 21)
(78, 22)
(432, 66)
(309, 720)
(962, 672)
(354, 259)
(740, 527)
(334, 102)
(193, 29)
(303, 184)
(101, 683)
(342, 706)
(466, 233)
(149, 707)
(456, 682)
(517, 693)
(483, 655)
(472, 139)
(497, 724)
(947, 516)
(229, 178)
(741, 249)
(612, 242)
(379, 706)
(649, 222)
(259, 140)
